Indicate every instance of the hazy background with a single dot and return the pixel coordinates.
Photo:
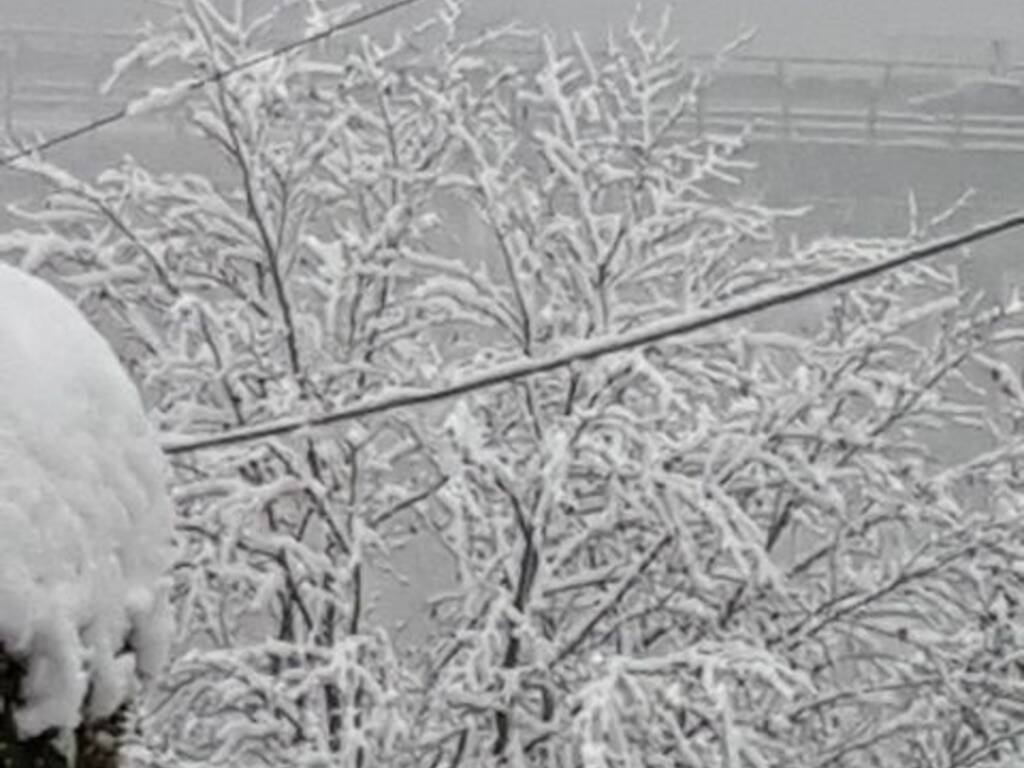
(794, 27)
(857, 188)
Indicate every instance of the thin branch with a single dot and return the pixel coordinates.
(583, 630)
(271, 249)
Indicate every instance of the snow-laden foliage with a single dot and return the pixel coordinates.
(750, 547)
(85, 518)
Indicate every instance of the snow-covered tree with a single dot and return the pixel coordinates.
(749, 547)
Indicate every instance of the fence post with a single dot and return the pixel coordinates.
(958, 122)
(873, 98)
(781, 75)
(10, 80)
(700, 94)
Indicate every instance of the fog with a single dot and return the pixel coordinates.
(849, 187)
(792, 27)
(864, 185)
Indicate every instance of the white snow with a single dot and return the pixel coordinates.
(85, 520)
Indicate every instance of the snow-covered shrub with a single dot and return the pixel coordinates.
(85, 520)
(732, 549)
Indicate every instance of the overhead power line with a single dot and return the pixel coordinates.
(591, 348)
(201, 82)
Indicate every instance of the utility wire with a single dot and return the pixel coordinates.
(589, 349)
(201, 82)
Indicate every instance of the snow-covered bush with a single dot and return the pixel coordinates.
(733, 549)
(85, 521)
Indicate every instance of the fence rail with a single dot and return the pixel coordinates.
(999, 133)
(51, 75)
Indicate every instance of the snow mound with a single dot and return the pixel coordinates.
(85, 519)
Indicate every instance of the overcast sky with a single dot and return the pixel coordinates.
(809, 27)
(796, 27)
